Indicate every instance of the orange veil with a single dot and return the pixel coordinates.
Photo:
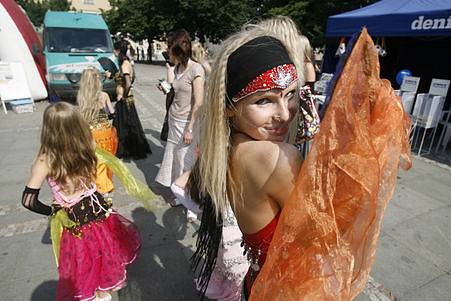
(326, 238)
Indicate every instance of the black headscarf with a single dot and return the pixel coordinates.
(252, 59)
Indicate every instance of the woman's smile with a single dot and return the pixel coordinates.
(277, 131)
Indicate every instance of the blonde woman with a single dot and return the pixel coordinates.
(327, 214)
(243, 161)
(199, 55)
(95, 106)
(310, 74)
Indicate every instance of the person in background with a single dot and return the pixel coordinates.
(309, 60)
(95, 106)
(188, 84)
(200, 56)
(132, 140)
(131, 54)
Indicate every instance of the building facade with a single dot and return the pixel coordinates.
(91, 6)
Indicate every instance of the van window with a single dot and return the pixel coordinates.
(77, 40)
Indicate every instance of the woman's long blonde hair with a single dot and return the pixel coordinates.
(212, 174)
(88, 96)
(68, 146)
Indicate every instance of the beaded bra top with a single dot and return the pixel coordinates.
(101, 121)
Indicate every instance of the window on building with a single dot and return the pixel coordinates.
(88, 2)
(158, 47)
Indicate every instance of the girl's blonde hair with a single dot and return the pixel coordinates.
(68, 146)
(88, 95)
(212, 175)
(304, 43)
(197, 52)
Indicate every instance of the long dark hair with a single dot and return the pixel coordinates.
(121, 46)
(179, 43)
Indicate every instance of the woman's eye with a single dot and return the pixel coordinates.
(262, 101)
(290, 94)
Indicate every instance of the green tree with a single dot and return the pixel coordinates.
(36, 9)
(311, 16)
(153, 18)
(58, 5)
(216, 19)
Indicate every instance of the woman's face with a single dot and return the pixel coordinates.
(116, 52)
(266, 115)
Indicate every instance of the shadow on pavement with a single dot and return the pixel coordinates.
(45, 291)
(162, 271)
(46, 237)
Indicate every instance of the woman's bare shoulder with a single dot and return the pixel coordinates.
(264, 159)
(265, 150)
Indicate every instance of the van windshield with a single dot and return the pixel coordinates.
(78, 40)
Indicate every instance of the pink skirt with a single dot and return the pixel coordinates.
(97, 260)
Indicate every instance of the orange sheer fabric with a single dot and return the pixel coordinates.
(325, 242)
(105, 137)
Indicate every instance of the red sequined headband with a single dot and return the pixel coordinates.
(278, 77)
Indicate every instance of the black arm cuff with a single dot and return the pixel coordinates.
(31, 202)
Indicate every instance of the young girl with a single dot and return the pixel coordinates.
(95, 106)
(97, 243)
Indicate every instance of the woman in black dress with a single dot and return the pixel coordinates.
(132, 141)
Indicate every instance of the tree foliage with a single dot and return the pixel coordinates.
(311, 16)
(36, 9)
(216, 19)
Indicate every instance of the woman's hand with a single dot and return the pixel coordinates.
(160, 88)
(188, 136)
(108, 74)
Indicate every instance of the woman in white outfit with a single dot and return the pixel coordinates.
(188, 83)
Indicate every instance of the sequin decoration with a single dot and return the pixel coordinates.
(279, 77)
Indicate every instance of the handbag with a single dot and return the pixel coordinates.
(165, 128)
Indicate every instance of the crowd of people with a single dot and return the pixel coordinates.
(235, 132)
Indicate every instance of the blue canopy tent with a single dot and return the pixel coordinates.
(417, 36)
(398, 18)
